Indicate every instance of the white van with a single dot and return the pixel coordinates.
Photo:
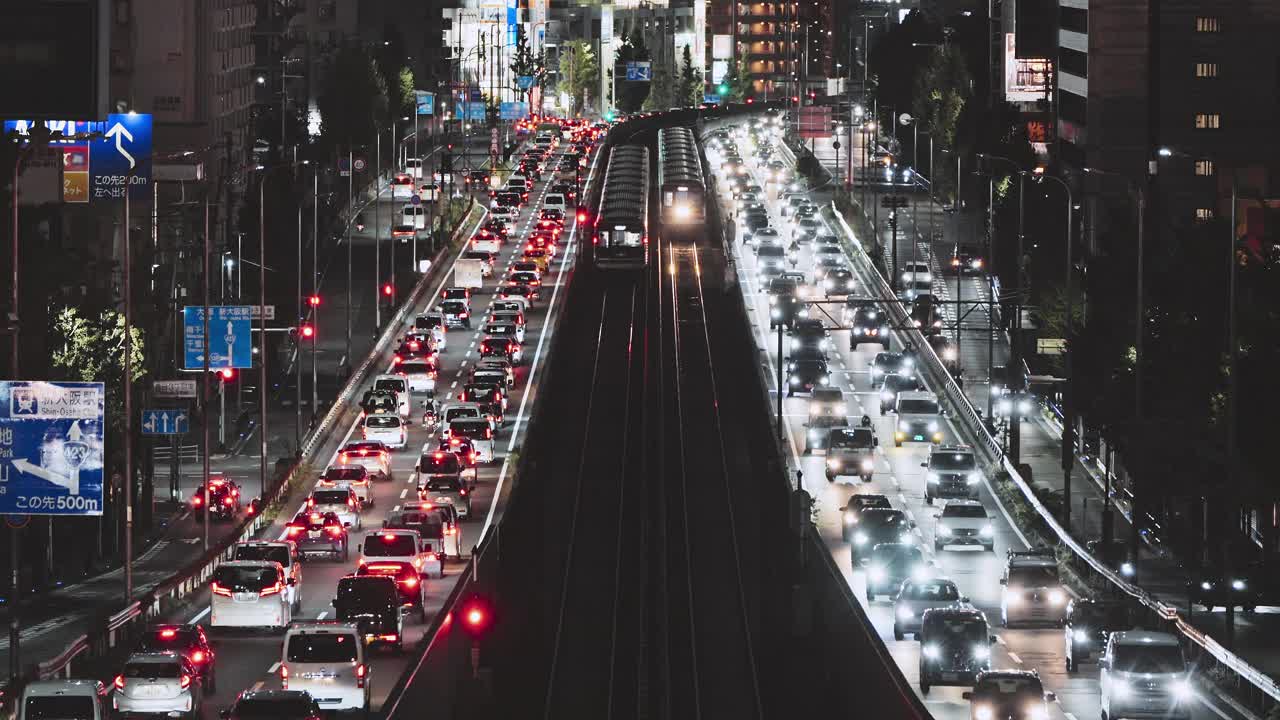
(413, 166)
(69, 699)
(249, 594)
(326, 659)
(1144, 675)
(556, 201)
(397, 385)
(414, 215)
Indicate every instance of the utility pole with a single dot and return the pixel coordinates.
(351, 173)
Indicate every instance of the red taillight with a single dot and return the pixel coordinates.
(219, 590)
(228, 501)
(119, 682)
(410, 582)
(197, 500)
(198, 656)
(284, 677)
(334, 530)
(271, 590)
(185, 681)
(413, 345)
(168, 633)
(361, 670)
(463, 491)
(431, 557)
(250, 511)
(294, 530)
(351, 502)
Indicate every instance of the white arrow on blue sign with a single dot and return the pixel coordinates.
(230, 340)
(165, 421)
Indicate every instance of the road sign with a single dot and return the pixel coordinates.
(360, 164)
(51, 447)
(639, 71)
(174, 388)
(1051, 346)
(415, 199)
(493, 141)
(711, 99)
(513, 110)
(165, 421)
(425, 102)
(17, 522)
(474, 94)
(255, 312)
(524, 82)
(123, 145)
(230, 342)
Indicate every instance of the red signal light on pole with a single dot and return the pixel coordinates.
(476, 616)
(387, 290)
(582, 215)
(313, 300)
(307, 331)
(227, 374)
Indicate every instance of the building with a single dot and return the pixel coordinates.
(787, 47)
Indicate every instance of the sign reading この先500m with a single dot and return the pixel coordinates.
(51, 447)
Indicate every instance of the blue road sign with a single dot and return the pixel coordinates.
(639, 71)
(230, 340)
(524, 82)
(513, 110)
(711, 98)
(124, 145)
(165, 421)
(51, 447)
(415, 199)
(426, 102)
(474, 94)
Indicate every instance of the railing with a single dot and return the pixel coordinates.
(969, 424)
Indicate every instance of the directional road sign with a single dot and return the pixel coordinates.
(174, 388)
(165, 421)
(524, 82)
(513, 110)
(230, 342)
(426, 102)
(120, 156)
(641, 71)
(51, 447)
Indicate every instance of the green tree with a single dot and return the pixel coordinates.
(353, 102)
(579, 73)
(88, 349)
(737, 81)
(631, 95)
(661, 88)
(689, 90)
(942, 88)
(526, 64)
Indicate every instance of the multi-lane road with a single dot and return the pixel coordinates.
(899, 476)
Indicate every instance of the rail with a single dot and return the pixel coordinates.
(970, 424)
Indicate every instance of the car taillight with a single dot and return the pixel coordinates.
(197, 500)
(431, 557)
(219, 590)
(119, 682)
(271, 590)
(294, 530)
(184, 681)
(410, 582)
(361, 671)
(351, 502)
(463, 491)
(228, 501)
(453, 531)
(284, 677)
(334, 530)
(198, 657)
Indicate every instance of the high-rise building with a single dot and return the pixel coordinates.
(786, 46)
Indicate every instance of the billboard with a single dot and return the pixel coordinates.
(721, 47)
(118, 157)
(51, 447)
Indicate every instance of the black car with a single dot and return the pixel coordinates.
(373, 603)
(1009, 695)
(1087, 626)
(189, 641)
(455, 313)
(379, 401)
(755, 221)
(891, 385)
(409, 582)
(889, 564)
(853, 511)
(946, 350)
(273, 705)
(955, 646)
(785, 309)
(223, 498)
(966, 259)
(318, 533)
(925, 315)
(838, 281)
(1210, 588)
(869, 324)
(809, 337)
(805, 374)
(891, 362)
(851, 451)
(879, 525)
(489, 396)
(563, 188)
(497, 227)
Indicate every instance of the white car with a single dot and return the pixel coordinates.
(459, 411)
(478, 430)
(161, 683)
(328, 661)
(518, 304)
(373, 456)
(963, 522)
(433, 322)
(556, 201)
(916, 272)
(385, 428)
(420, 374)
(284, 552)
(340, 477)
(414, 215)
(513, 317)
(413, 166)
(249, 593)
(401, 187)
(398, 385)
(915, 597)
(451, 544)
(399, 545)
(340, 501)
(506, 213)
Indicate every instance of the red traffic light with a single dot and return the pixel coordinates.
(313, 300)
(307, 331)
(227, 374)
(751, 101)
(476, 616)
(387, 290)
(582, 215)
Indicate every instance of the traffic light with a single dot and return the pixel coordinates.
(723, 89)
(227, 374)
(477, 616)
(582, 214)
(313, 300)
(307, 331)
(388, 292)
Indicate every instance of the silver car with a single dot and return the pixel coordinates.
(162, 683)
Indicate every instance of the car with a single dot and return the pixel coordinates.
(770, 261)
(967, 259)
(763, 235)
(413, 217)
(369, 454)
(839, 281)
(851, 513)
(400, 545)
(890, 362)
(1009, 695)
(273, 705)
(419, 373)
(440, 479)
(818, 432)
(809, 338)
(433, 321)
(339, 501)
(914, 271)
(485, 241)
(851, 451)
(387, 429)
(490, 395)
(284, 552)
(893, 384)
(455, 313)
(397, 385)
(408, 579)
(1208, 587)
(223, 498)
(158, 683)
(525, 277)
(1033, 592)
(478, 431)
(952, 473)
(889, 565)
(876, 526)
(963, 522)
(925, 314)
(805, 375)
(946, 350)
(416, 344)
(326, 660)
(187, 641)
(918, 595)
(1088, 624)
(461, 294)
(955, 646)
(517, 290)
(1145, 675)
(505, 213)
(402, 186)
(249, 593)
(826, 403)
(379, 402)
(454, 411)
(918, 412)
(439, 533)
(514, 318)
(868, 324)
(318, 533)
(497, 227)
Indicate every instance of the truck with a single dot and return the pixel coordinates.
(468, 273)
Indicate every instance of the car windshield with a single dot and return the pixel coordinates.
(474, 429)
(59, 707)
(953, 630)
(897, 555)
(440, 463)
(770, 251)
(330, 497)
(884, 518)
(918, 407)
(1148, 658)
(152, 670)
(1010, 689)
(393, 385)
(415, 368)
(161, 639)
(869, 501)
(326, 647)
(245, 579)
(453, 307)
(453, 413)
(934, 592)
(826, 395)
(894, 382)
(428, 525)
(947, 461)
(252, 709)
(389, 545)
(346, 474)
(964, 511)
(270, 553)
(1034, 575)
(445, 484)
(382, 421)
(857, 438)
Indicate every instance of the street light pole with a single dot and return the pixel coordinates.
(315, 279)
(1068, 394)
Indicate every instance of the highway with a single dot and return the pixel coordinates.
(251, 659)
(899, 476)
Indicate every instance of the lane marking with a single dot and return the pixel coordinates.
(1014, 657)
(258, 685)
(403, 492)
(274, 667)
(201, 615)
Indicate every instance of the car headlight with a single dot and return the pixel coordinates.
(886, 396)
(825, 380)
(827, 284)
(1205, 585)
(795, 379)
(875, 371)
(839, 409)
(981, 652)
(856, 330)
(1121, 688)
(931, 651)
(983, 712)
(877, 573)
(919, 573)
(775, 313)
(902, 425)
(868, 464)
(833, 463)
(933, 426)
(906, 539)
(860, 539)
(773, 299)
(1126, 569)
(1037, 712)
(932, 477)
(944, 530)
(905, 613)
(883, 330)
(1057, 597)
(1180, 690)
(974, 478)
(814, 434)
(1012, 598)
(1237, 584)
(987, 530)
(1080, 636)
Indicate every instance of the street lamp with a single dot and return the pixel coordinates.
(1015, 356)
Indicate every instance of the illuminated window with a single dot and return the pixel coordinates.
(1207, 25)
(1208, 121)
(1206, 70)
(1205, 168)
(1204, 214)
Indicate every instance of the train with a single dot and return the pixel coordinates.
(621, 236)
(681, 186)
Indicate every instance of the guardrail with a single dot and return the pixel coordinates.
(122, 627)
(970, 425)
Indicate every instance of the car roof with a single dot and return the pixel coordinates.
(917, 395)
(46, 688)
(962, 503)
(942, 449)
(319, 627)
(251, 563)
(164, 656)
(1143, 637)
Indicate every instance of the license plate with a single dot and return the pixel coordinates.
(950, 676)
(246, 597)
(313, 533)
(149, 691)
(919, 437)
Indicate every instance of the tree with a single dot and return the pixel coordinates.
(689, 89)
(632, 94)
(353, 103)
(526, 64)
(661, 88)
(89, 349)
(579, 73)
(737, 82)
(942, 88)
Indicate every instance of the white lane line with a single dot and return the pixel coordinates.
(200, 615)
(1014, 657)
(258, 685)
(274, 667)
(1068, 716)
(403, 493)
